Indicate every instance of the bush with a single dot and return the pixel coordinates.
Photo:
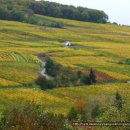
(118, 103)
(56, 25)
(52, 68)
(32, 117)
(95, 112)
(127, 61)
(86, 79)
(73, 114)
(89, 79)
(45, 84)
(92, 77)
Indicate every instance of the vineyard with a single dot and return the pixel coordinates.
(103, 47)
(53, 100)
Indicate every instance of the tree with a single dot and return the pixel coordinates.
(118, 101)
(86, 79)
(45, 84)
(81, 106)
(72, 114)
(79, 74)
(38, 8)
(95, 112)
(49, 66)
(49, 9)
(92, 77)
(52, 68)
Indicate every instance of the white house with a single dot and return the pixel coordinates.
(67, 43)
(128, 82)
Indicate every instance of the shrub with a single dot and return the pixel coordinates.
(92, 77)
(56, 25)
(95, 112)
(89, 79)
(72, 114)
(118, 101)
(52, 68)
(32, 117)
(86, 79)
(81, 104)
(127, 61)
(45, 84)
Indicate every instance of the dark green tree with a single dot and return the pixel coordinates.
(45, 84)
(95, 112)
(86, 79)
(72, 114)
(79, 74)
(118, 101)
(49, 66)
(10, 7)
(92, 77)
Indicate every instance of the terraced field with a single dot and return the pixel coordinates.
(105, 48)
(62, 99)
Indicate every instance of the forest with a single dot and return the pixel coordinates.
(25, 10)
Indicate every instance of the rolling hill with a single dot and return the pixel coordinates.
(103, 47)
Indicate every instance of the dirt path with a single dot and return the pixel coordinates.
(43, 72)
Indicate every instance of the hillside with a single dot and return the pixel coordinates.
(103, 47)
(20, 44)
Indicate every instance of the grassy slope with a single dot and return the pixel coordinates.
(105, 44)
(96, 45)
(61, 100)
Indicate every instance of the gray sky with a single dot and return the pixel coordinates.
(118, 10)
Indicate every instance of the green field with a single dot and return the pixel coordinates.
(103, 47)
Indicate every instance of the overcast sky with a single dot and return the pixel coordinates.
(118, 10)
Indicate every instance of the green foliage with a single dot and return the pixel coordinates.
(78, 112)
(89, 79)
(31, 117)
(95, 112)
(22, 11)
(45, 84)
(56, 25)
(92, 77)
(70, 12)
(11, 15)
(86, 79)
(79, 74)
(118, 101)
(73, 114)
(64, 76)
(49, 66)
(127, 61)
(67, 125)
(52, 68)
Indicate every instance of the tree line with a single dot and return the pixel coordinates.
(24, 9)
(69, 12)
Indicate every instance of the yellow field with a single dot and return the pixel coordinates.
(98, 46)
(103, 47)
(52, 100)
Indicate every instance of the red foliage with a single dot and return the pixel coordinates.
(100, 76)
(80, 105)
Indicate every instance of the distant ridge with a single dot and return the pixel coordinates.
(24, 11)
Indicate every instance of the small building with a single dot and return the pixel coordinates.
(67, 43)
(128, 82)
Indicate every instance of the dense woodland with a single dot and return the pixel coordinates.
(24, 11)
